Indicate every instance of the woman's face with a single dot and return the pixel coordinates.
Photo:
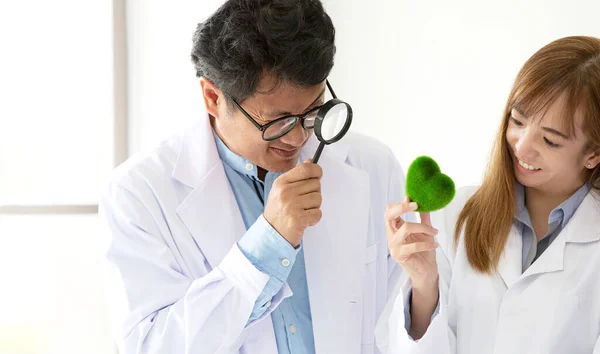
(546, 157)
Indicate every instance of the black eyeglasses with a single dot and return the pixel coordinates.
(281, 126)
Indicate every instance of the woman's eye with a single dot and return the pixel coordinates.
(517, 122)
(551, 144)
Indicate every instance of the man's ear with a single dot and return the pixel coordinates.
(213, 97)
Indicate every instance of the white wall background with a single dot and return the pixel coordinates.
(164, 93)
(52, 295)
(432, 77)
(426, 77)
(56, 148)
(55, 101)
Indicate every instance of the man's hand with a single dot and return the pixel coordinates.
(294, 201)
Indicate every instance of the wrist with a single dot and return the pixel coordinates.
(426, 287)
(293, 241)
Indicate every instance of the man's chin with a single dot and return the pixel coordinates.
(282, 166)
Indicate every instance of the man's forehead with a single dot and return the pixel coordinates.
(287, 100)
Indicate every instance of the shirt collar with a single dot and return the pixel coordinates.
(235, 161)
(561, 214)
(569, 206)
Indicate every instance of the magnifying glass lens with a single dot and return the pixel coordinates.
(334, 122)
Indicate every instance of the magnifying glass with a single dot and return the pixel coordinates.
(332, 122)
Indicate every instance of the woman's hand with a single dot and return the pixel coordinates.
(412, 245)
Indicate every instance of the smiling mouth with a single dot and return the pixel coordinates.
(285, 153)
(527, 166)
(285, 150)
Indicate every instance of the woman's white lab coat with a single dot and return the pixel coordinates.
(552, 308)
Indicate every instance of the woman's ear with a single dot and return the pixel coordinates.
(592, 160)
(213, 97)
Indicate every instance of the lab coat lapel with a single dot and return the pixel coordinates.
(334, 253)
(210, 212)
(584, 227)
(510, 266)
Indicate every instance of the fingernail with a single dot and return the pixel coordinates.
(413, 206)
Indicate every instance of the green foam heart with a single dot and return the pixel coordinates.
(428, 186)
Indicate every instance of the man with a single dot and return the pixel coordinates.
(227, 238)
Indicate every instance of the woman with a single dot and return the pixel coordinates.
(516, 266)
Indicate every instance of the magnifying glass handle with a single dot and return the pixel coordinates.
(318, 152)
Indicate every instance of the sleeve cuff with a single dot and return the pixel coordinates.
(267, 250)
(407, 303)
(238, 269)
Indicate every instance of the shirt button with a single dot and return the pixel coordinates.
(249, 166)
(293, 329)
(285, 262)
(268, 304)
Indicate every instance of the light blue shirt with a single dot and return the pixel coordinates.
(270, 253)
(558, 219)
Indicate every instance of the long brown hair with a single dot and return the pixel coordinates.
(568, 67)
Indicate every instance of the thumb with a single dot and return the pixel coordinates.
(425, 218)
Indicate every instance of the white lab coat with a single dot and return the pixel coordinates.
(551, 308)
(179, 283)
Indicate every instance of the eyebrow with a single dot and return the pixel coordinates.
(286, 113)
(547, 129)
(555, 132)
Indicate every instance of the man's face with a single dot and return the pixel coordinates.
(268, 104)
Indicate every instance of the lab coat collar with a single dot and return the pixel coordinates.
(198, 154)
(584, 227)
